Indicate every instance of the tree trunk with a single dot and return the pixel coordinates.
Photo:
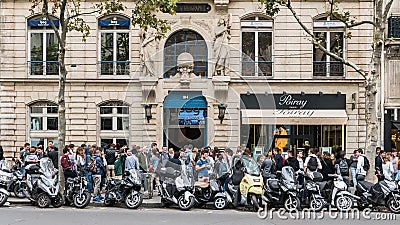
(61, 111)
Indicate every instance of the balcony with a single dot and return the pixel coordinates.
(114, 67)
(328, 69)
(43, 68)
(257, 69)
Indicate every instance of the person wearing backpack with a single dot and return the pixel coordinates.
(100, 171)
(362, 166)
(312, 163)
(344, 165)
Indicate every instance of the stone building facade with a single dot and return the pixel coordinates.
(238, 56)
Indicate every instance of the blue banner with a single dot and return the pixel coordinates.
(42, 23)
(114, 23)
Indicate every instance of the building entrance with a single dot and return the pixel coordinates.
(185, 120)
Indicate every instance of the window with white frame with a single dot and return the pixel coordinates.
(114, 49)
(43, 117)
(331, 35)
(257, 46)
(43, 48)
(114, 123)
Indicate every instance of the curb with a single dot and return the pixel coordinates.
(15, 201)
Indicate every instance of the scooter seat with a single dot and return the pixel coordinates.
(201, 184)
(70, 180)
(366, 185)
(273, 184)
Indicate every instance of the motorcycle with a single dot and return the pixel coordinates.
(12, 178)
(336, 193)
(245, 185)
(283, 191)
(177, 186)
(310, 193)
(76, 192)
(42, 184)
(213, 192)
(384, 193)
(126, 190)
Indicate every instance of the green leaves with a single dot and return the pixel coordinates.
(272, 6)
(143, 15)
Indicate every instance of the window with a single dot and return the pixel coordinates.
(114, 46)
(114, 123)
(185, 41)
(394, 27)
(43, 48)
(331, 34)
(257, 46)
(44, 116)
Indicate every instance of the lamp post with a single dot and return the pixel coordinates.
(221, 111)
(147, 112)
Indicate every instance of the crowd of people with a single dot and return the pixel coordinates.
(99, 164)
(387, 164)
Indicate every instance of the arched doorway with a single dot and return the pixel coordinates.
(185, 119)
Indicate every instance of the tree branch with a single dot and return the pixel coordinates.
(81, 14)
(53, 26)
(387, 9)
(360, 23)
(322, 48)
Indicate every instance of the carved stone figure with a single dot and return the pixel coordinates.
(148, 49)
(185, 64)
(221, 49)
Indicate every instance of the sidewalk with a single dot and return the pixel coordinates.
(155, 202)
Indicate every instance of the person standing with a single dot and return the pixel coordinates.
(80, 161)
(312, 163)
(110, 156)
(154, 161)
(299, 158)
(97, 176)
(202, 167)
(361, 173)
(53, 155)
(387, 168)
(292, 161)
(278, 159)
(378, 161)
(164, 157)
(131, 161)
(67, 165)
(353, 167)
(327, 166)
(119, 164)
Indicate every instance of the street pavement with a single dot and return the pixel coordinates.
(97, 214)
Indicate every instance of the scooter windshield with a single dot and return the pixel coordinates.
(288, 174)
(47, 167)
(251, 166)
(173, 171)
(6, 165)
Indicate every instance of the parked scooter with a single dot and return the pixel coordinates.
(384, 193)
(336, 193)
(12, 178)
(76, 192)
(126, 190)
(246, 182)
(42, 184)
(177, 186)
(283, 191)
(213, 192)
(310, 193)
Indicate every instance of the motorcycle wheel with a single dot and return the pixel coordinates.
(393, 205)
(254, 203)
(343, 203)
(291, 203)
(82, 201)
(58, 201)
(19, 190)
(133, 201)
(220, 203)
(185, 205)
(43, 200)
(317, 204)
(3, 198)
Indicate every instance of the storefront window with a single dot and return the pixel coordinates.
(114, 123)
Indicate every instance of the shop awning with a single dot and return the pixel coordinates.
(294, 116)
